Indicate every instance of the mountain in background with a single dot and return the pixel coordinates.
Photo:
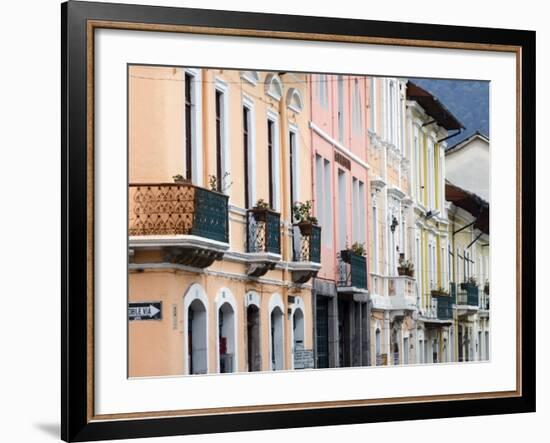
(468, 100)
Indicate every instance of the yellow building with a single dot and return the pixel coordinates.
(219, 275)
(428, 125)
(470, 273)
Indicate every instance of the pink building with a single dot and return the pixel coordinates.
(339, 148)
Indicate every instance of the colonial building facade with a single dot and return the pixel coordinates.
(393, 289)
(216, 160)
(282, 221)
(338, 133)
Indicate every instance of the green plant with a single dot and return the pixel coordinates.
(220, 187)
(358, 249)
(406, 264)
(302, 212)
(261, 204)
(440, 291)
(178, 178)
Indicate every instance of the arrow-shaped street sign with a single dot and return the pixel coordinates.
(145, 311)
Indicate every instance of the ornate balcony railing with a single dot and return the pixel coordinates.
(263, 233)
(352, 270)
(444, 307)
(307, 247)
(177, 209)
(468, 295)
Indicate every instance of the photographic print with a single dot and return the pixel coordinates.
(275, 221)
(299, 221)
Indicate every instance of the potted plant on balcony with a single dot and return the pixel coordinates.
(355, 249)
(302, 214)
(180, 179)
(219, 187)
(405, 267)
(260, 210)
(439, 292)
(470, 282)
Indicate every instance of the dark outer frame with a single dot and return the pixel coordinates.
(77, 421)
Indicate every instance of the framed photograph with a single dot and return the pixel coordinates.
(275, 221)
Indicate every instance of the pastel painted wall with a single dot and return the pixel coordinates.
(339, 114)
(156, 143)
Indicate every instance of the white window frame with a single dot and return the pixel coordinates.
(223, 296)
(196, 121)
(223, 88)
(293, 129)
(275, 159)
(372, 107)
(249, 104)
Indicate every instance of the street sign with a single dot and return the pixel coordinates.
(145, 311)
(303, 359)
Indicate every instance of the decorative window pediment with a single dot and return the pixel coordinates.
(294, 100)
(251, 77)
(274, 86)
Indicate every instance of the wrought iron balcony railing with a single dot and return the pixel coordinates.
(177, 209)
(444, 307)
(468, 295)
(263, 233)
(352, 269)
(307, 248)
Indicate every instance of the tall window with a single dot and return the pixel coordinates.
(246, 149)
(323, 197)
(270, 125)
(219, 173)
(322, 89)
(372, 104)
(342, 213)
(392, 116)
(431, 180)
(356, 108)
(375, 238)
(189, 135)
(341, 108)
(293, 169)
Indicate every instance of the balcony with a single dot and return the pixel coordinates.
(439, 312)
(306, 246)
(189, 224)
(263, 240)
(467, 298)
(402, 291)
(353, 275)
(484, 304)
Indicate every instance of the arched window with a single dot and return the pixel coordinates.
(298, 330)
(253, 354)
(227, 357)
(276, 333)
(195, 318)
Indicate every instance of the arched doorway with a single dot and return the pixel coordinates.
(298, 329)
(226, 338)
(253, 338)
(298, 336)
(277, 339)
(395, 354)
(197, 338)
(378, 347)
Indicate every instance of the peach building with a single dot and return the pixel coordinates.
(217, 159)
(340, 180)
